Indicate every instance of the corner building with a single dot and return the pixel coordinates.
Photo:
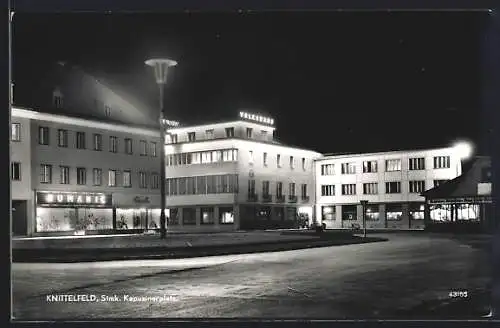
(234, 176)
(391, 182)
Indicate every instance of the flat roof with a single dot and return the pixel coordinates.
(357, 154)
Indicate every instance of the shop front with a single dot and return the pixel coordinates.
(137, 213)
(73, 213)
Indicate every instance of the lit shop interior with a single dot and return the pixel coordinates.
(90, 213)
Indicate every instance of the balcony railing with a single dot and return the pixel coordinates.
(280, 198)
(267, 198)
(292, 199)
(304, 199)
(253, 197)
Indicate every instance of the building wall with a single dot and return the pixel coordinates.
(429, 174)
(21, 152)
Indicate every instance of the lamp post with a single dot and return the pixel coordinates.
(161, 67)
(363, 204)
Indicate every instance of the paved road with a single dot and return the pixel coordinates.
(367, 280)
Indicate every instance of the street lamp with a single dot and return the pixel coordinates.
(463, 149)
(161, 67)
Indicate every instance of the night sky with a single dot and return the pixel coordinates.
(333, 81)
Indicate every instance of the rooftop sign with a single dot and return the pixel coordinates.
(170, 123)
(257, 118)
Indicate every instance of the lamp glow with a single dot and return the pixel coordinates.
(463, 149)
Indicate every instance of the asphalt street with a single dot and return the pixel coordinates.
(375, 280)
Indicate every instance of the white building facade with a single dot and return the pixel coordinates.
(234, 176)
(391, 182)
(77, 176)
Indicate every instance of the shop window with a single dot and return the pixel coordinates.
(55, 219)
(440, 212)
(207, 215)
(416, 211)
(127, 219)
(349, 212)
(328, 213)
(394, 212)
(173, 217)
(372, 212)
(189, 216)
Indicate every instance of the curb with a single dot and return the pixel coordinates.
(93, 255)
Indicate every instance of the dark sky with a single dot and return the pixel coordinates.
(333, 81)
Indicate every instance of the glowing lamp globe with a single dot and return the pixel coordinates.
(463, 149)
(161, 66)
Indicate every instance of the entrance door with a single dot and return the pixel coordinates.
(19, 217)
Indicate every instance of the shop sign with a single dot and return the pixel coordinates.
(141, 199)
(73, 198)
(460, 200)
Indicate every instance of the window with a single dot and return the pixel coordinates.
(188, 216)
(128, 146)
(292, 162)
(278, 160)
(328, 169)
(328, 213)
(144, 147)
(348, 168)
(251, 187)
(64, 178)
(80, 140)
(416, 211)
(152, 147)
(206, 157)
(113, 144)
(393, 187)
(348, 189)
(173, 138)
(416, 163)
(229, 132)
(249, 133)
(226, 215)
(392, 165)
(127, 178)
(143, 180)
(192, 136)
(442, 162)
(107, 111)
(291, 189)
(437, 183)
(417, 186)
(112, 178)
(372, 212)
(59, 101)
(15, 132)
(43, 135)
(485, 175)
(370, 167)
(97, 142)
(207, 215)
(62, 138)
(15, 168)
(45, 173)
(393, 212)
(155, 181)
(303, 163)
(97, 177)
(370, 188)
(250, 156)
(209, 134)
(349, 212)
(263, 133)
(264, 159)
(279, 189)
(265, 188)
(81, 176)
(303, 191)
(328, 190)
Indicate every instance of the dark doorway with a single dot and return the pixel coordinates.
(19, 217)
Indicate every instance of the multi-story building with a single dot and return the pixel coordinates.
(233, 175)
(391, 182)
(71, 175)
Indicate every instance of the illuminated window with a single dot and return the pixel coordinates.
(143, 180)
(45, 173)
(442, 162)
(416, 211)
(81, 176)
(292, 162)
(97, 177)
(15, 133)
(328, 213)
(370, 167)
(80, 140)
(64, 177)
(226, 215)
(349, 212)
(152, 147)
(249, 133)
(417, 186)
(392, 165)
(173, 138)
(328, 190)
(250, 156)
(191, 136)
(113, 144)
(416, 164)
(62, 136)
(372, 212)
(264, 159)
(229, 132)
(144, 147)
(348, 168)
(278, 160)
(370, 188)
(15, 168)
(393, 187)
(127, 178)
(328, 169)
(393, 212)
(112, 178)
(43, 135)
(97, 142)
(128, 146)
(348, 189)
(206, 157)
(207, 215)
